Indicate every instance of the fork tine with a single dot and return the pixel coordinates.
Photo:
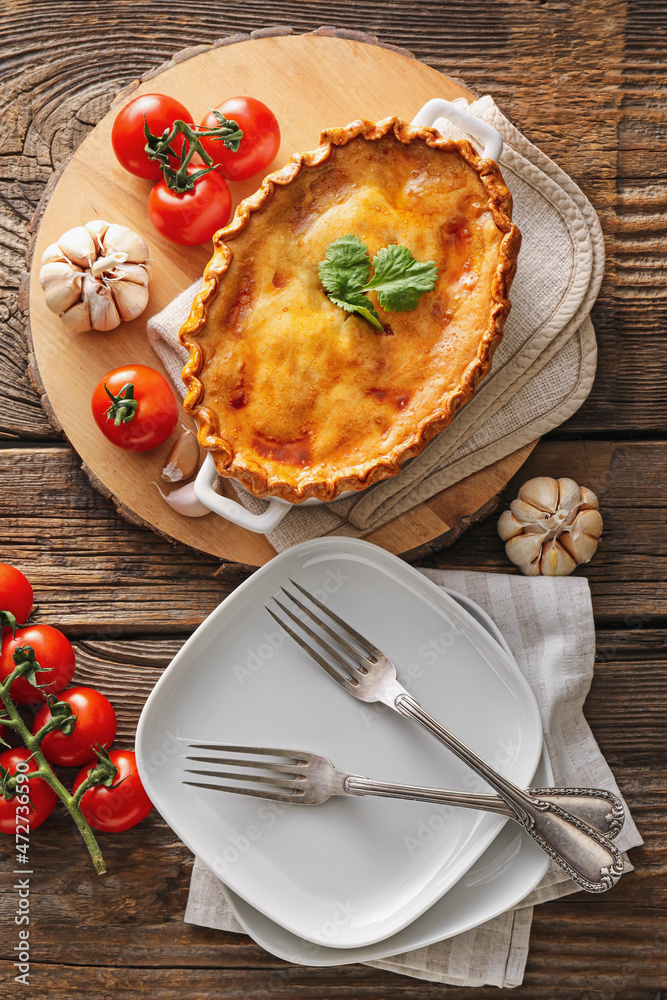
(365, 643)
(264, 766)
(333, 673)
(259, 778)
(255, 792)
(358, 657)
(344, 682)
(299, 756)
(322, 643)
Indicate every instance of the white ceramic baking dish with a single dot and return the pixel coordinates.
(432, 113)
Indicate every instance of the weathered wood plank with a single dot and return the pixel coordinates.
(91, 570)
(631, 644)
(94, 573)
(627, 573)
(315, 984)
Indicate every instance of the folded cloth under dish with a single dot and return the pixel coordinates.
(542, 371)
(548, 624)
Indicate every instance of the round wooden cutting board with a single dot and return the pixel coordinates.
(310, 82)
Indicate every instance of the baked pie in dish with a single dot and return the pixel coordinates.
(295, 397)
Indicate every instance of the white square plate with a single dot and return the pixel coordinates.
(342, 874)
(510, 868)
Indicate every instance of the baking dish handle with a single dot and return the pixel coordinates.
(232, 511)
(457, 115)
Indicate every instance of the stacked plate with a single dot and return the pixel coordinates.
(355, 878)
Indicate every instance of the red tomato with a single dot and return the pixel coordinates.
(15, 593)
(128, 138)
(52, 649)
(114, 809)
(28, 809)
(193, 217)
(154, 417)
(95, 723)
(260, 142)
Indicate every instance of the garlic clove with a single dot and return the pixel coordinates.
(184, 501)
(541, 492)
(103, 312)
(531, 568)
(581, 541)
(121, 238)
(97, 228)
(107, 263)
(523, 549)
(526, 512)
(77, 318)
(131, 299)
(588, 499)
(78, 245)
(555, 560)
(137, 273)
(52, 254)
(183, 459)
(508, 525)
(568, 493)
(61, 282)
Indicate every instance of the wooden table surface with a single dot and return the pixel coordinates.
(585, 81)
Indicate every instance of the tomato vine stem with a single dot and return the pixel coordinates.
(44, 770)
(159, 147)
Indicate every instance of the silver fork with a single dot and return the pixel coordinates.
(305, 778)
(367, 674)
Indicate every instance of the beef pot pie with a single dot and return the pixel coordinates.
(295, 397)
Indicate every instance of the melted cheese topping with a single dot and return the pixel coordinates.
(309, 393)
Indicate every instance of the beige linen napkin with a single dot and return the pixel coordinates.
(542, 371)
(548, 624)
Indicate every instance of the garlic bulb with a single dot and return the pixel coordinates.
(551, 527)
(96, 276)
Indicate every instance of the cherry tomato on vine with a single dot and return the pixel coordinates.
(27, 810)
(260, 142)
(95, 723)
(15, 593)
(191, 218)
(128, 138)
(137, 410)
(52, 649)
(115, 809)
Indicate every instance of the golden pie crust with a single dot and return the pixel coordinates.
(293, 396)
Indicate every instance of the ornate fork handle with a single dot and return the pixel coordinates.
(589, 859)
(597, 808)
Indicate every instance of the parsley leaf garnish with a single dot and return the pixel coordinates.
(399, 279)
(346, 265)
